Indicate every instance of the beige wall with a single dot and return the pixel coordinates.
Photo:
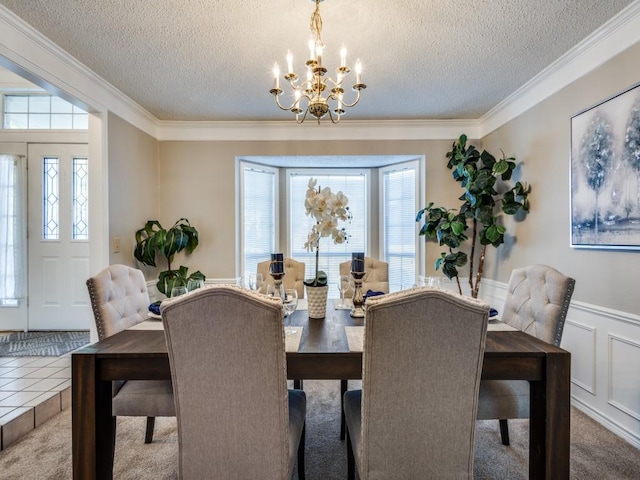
(133, 186)
(199, 181)
(540, 138)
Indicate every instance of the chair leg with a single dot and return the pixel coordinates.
(343, 389)
(148, 437)
(351, 461)
(301, 453)
(298, 385)
(504, 431)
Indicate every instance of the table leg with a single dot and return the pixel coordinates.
(549, 432)
(93, 432)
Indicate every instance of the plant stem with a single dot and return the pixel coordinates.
(479, 273)
(315, 283)
(473, 253)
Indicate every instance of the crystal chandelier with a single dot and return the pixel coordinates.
(317, 94)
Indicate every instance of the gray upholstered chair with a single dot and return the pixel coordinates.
(377, 279)
(119, 300)
(537, 302)
(227, 428)
(376, 276)
(415, 416)
(293, 275)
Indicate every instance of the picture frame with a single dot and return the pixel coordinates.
(605, 173)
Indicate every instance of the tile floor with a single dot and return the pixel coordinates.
(32, 390)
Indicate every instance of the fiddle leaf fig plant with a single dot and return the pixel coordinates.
(486, 196)
(153, 239)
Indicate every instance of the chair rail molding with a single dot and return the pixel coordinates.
(605, 361)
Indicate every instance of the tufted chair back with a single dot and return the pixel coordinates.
(119, 299)
(293, 275)
(537, 301)
(376, 276)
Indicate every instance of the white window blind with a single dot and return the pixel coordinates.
(354, 186)
(398, 224)
(259, 210)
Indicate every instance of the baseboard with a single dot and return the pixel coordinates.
(606, 422)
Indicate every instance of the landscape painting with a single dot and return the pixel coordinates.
(605, 173)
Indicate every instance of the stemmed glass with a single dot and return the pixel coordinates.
(290, 305)
(343, 286)
(255, 282)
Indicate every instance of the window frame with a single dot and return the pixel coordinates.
(418, 165)
(242, 165)
(75, 111)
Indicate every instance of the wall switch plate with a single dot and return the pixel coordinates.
(116, 244)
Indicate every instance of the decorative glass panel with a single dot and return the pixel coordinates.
(80, 199)
(51, 199)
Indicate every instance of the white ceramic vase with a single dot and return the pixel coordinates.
(317, 301)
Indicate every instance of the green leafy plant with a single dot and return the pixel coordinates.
(153, 239)
(486, 195)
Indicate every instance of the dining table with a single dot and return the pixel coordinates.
(321, 349)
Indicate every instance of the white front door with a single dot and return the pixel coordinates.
(58, 233)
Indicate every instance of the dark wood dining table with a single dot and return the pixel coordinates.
(323, 354)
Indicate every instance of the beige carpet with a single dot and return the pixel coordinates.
(45, 453)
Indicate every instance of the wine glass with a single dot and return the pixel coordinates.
(256, 282)
(178, 290)
(194, 284)
(290, 304)
(275, 292)
(343, 286)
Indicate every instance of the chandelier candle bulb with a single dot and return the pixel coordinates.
(276, 76)
(289, 62)
(343, 57)
(358, 72)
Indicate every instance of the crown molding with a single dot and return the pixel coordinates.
(29, 53)
(612, 38)
(347, 130)
(32, 55)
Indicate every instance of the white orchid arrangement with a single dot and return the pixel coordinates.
(327, 209)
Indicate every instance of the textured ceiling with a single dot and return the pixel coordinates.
(212, 59)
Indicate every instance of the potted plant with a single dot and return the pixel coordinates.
(327, 209)
(153, 239)
(486, 196)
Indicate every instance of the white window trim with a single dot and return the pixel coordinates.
(241, 166)
(419, 165)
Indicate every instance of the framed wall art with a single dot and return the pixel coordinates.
(605, 173)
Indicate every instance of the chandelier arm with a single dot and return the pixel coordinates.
(331, 117)
(286, 108)
(349, 105)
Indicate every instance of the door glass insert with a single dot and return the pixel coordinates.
(51, 198)
(80, 199)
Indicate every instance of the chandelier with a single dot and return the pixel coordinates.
(318, 94)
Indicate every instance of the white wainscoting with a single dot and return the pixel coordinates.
(605, 362)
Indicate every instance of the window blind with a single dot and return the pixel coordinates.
(354, 186)
(398, 224)
(259, 206)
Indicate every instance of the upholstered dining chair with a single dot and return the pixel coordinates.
(415, 416)
(119, 300)
(227, 428)
(293, 275)
(537, 302)
(376, 278)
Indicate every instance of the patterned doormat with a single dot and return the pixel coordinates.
(41, 344)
